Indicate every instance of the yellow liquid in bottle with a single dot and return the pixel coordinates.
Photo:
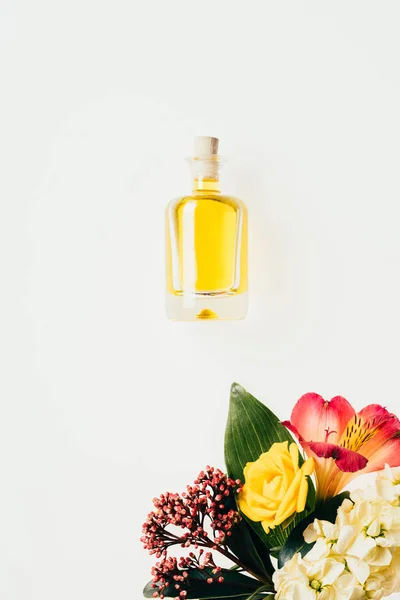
(206, 252)
(210, 237)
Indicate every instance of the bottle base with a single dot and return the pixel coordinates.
(205, 308)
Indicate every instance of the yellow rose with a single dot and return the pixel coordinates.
(275, 486)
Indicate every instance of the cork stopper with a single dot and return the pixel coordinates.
(205, 146)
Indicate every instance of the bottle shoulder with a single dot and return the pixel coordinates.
(209, 198)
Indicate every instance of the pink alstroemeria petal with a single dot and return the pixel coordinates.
(370, 432)
(388, 453)
(293, 429)
(346, 460)
(318, 420)
(377, 418)
(306, 416)
(380, 454)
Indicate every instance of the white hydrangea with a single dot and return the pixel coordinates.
(355, 558)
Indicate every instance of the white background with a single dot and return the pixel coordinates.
(104, 403)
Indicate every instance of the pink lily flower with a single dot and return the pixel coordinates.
(344, 443)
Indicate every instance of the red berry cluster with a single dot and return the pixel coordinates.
(173, 572)
(210, 501)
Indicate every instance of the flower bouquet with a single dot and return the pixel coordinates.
(278, 520)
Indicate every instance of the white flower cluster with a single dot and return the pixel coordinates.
(355, 558)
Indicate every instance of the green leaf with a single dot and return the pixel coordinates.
(310, 503)
(257, 595)
(235, 585)
(295, 542)
(265, 589)
(251, 430)
(250, 550)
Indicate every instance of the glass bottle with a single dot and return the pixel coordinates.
(206, 246)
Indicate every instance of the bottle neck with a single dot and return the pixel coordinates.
(205, 174)
(206, 184)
